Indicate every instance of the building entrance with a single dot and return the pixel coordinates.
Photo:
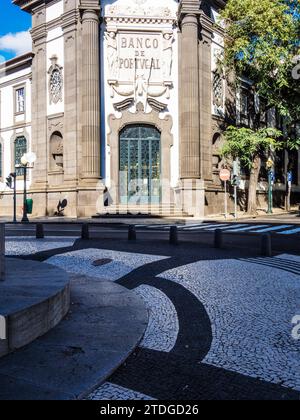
(140, 165)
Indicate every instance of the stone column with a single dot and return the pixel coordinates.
(191, 186)
(189, 97)
(90, 97)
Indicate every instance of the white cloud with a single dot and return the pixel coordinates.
(18, 43)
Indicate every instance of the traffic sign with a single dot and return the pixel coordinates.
(225, 175)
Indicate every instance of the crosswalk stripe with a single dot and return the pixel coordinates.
(154, 226)
(245, 228)
(272, 228)
(289, 232)
(215, 227)
(199, 227)
(225, 227)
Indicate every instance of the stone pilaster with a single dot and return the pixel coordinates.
(189, 99)
(205, 80)
(191, 187)
(71, 81)
(90, 97)
(39, 108)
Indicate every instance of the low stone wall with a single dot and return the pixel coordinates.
(34, 298)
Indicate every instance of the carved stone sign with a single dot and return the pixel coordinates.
(140, 51)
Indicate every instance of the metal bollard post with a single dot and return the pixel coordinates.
(173, 235)
(85, 231)
(39, 231)
(2, 252)
(218, 242)
(266, 245)
(131, 233)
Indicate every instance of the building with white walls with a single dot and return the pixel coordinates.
(122, 104)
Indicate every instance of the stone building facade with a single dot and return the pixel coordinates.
(123, 105)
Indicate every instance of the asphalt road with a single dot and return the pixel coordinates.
(244, 234)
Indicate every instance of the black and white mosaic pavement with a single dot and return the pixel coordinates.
(220, 322)
(16, 246)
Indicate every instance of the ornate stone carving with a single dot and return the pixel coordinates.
(139, 8)
(139, 60)
(124, 105)
(167, 55)
(112, 54)
(156, 105)
(55, 81)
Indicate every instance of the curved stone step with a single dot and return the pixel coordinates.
(105, 324)
(33, 299)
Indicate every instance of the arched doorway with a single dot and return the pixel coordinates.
(140, 165)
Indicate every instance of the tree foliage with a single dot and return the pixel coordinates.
(246, 144)
(262, 41)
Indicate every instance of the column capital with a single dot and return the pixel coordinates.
(90, 5)
(90, 15)
(189, 7)
(189, 19)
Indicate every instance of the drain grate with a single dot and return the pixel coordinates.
(103, 261)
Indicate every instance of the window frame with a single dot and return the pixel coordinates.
(17, 112)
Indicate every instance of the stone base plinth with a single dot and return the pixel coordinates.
(190, 197)
(33, 299)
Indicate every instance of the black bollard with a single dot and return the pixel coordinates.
(218, 243)
(266, 245)
(85, 231)
(131, 233)
(173, 235)
(39, 231)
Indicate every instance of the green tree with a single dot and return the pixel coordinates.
(262, 42)
(251, 147)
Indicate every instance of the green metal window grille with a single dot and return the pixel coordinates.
(20, 150)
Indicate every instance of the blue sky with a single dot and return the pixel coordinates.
(13, 27)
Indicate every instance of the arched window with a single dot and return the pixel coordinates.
(56, 151)
(20, 150)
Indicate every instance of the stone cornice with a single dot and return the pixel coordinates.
(69, 19)
(39, 33)
(219, 3)
(28, 5)
(17, 62)
(207, 25)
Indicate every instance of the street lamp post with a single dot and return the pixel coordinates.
(270, 165)
(25, 216)
(26, 160)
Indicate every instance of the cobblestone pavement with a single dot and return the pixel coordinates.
(81, 262)
(27, 246)
(251, 317)
(163, 327)
(220, 326)
(110, 391)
